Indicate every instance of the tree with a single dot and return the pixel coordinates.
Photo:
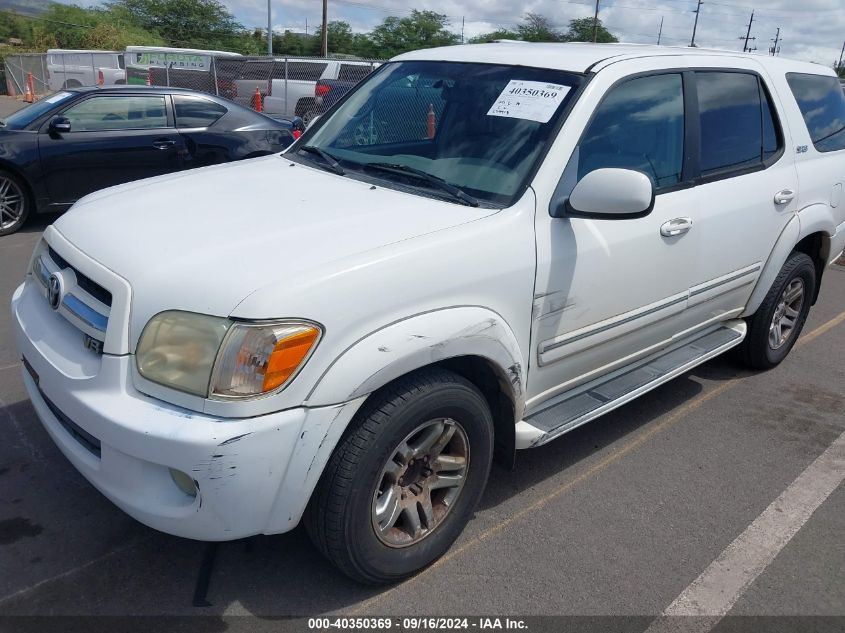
(423, 29)
(537, 28)
(533, 28)
(187, 23)
(581, 30)
(499, 34)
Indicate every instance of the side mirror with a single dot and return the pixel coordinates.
(60, 125)
(611, 194)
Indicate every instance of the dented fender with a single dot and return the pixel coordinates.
(417, 342)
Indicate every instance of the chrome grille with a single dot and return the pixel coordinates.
(85, 304)
(95, 290)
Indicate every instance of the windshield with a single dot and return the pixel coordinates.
(20, 119)
(479, 127)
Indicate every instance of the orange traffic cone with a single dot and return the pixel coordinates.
(430, 122)
(31, 85)
(28, 96)
(149, 81)
(259, 107)
(10, 86)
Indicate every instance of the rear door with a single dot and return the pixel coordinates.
(113, 139)
(747, 188)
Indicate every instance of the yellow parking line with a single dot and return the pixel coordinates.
(614, 457)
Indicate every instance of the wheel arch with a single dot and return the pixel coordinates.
(473, 342)
(809, 232)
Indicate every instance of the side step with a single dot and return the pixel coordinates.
(587, 402)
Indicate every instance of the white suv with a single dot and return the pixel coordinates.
(481, 248)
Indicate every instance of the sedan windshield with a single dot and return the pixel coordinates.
(22, 118)
(468, 132)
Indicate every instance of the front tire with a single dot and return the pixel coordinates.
(14, 203)
(775, 327)
(405, 479)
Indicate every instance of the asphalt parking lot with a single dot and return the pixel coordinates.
(626, 516)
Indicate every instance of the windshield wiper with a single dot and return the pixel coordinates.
(331, 161)
(439, 183)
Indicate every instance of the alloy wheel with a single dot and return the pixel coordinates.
(11, 203)
(420, 482)
(786, 314)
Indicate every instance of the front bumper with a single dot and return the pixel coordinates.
(254, 475)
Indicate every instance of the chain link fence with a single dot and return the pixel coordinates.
(282, 87)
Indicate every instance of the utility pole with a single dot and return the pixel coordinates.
(775, 50)
(269, 30)
(660, 32)
(324, 36)
(841, 55)
(745, 48)
(596, 23)
(462, 30)
(695, 25)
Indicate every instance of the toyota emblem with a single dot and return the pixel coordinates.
(54, 291)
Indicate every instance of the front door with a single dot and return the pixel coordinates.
(113, 139)
(610, 291)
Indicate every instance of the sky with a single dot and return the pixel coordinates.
(811, 30)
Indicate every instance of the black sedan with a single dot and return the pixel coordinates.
(77, 141)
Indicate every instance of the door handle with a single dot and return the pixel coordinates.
(784, 196)
(163, 143)
(676, 227)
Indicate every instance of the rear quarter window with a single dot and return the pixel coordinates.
(822, 104)
(302, 71)
(192, 112)
(353, 72)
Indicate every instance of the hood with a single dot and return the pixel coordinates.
(204, 240)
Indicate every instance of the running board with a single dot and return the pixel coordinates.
(587, 402)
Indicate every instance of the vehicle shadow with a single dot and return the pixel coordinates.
(38, 222)
(265, 576)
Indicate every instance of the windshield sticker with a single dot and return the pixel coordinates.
(530, 100)
(57, 97)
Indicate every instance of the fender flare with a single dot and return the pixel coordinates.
(421, 340)
(816, 218)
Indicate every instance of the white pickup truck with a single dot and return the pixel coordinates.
(482, 248)
(77, 68)
(290, 89)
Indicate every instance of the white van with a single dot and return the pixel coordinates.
(76, 68)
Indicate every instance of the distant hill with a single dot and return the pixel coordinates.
(26, 7)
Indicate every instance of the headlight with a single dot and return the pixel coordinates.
(215, 357)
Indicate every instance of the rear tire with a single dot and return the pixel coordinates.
(14, 203)
(420, 448)
(775, 327)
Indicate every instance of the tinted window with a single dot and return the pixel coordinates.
(256, 70)
(639, 125)
(303, 71)
(117, 113)
(823, 106)
(353, 72)
(772, 139)
(196, 111)
(731, 121)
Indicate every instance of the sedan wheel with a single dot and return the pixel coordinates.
(13, 204)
